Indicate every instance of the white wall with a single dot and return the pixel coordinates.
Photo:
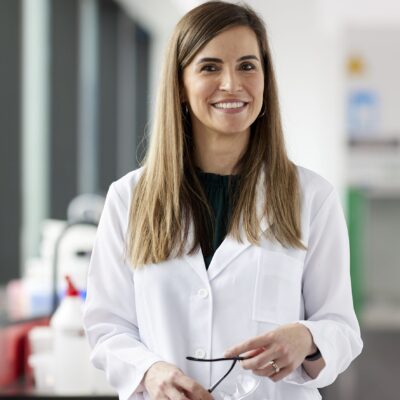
(306, 69)
(339, 13)
(307, 63)
(307, 41)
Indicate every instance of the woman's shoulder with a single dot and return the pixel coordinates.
(314, 189)
(312, 181)
(123, 186)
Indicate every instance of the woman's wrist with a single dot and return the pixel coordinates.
(314, 353)
(310, 347)
(314, 356)
(313, 350)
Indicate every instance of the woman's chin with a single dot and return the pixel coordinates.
(233, 130)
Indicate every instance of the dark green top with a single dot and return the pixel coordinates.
(216, 188)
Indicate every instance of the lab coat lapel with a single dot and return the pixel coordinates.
(196, 260)
(230, 248)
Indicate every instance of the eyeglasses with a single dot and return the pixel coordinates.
(234, 359)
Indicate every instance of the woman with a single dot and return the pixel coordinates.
(219, 246)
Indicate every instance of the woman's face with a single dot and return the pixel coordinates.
(224, 83)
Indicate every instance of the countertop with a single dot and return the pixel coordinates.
(21, 390)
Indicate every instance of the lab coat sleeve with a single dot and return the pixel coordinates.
(328, 302)
(110, 319)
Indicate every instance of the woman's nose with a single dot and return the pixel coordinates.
(230, 81)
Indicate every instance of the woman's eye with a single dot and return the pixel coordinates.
(247, 66)
(209, 68)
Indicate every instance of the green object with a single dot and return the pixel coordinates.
(216, 188)
(356, 213)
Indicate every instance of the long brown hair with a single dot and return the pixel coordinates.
(168, 194)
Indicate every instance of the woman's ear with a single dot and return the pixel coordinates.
(182, 94)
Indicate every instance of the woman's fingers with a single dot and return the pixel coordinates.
(164, 381)
(248, 345)
(173, 393)
(262, 363)
(283, 373)
(193, 390)
(252, 353)
(286, 345)
(269, 372)
(261, 360)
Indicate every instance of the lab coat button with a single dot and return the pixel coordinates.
(203, 293)
(200, 353)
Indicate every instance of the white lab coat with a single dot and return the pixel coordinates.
(178, 308)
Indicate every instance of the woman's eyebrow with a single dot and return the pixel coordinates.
(249, 57)
(218, 60)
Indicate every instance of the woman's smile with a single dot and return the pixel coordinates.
(231, 107)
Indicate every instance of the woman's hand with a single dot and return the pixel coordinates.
(287, 346)
(164, 381)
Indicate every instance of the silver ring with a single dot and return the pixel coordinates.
(274, 366)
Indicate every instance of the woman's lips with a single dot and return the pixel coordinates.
(232, 110)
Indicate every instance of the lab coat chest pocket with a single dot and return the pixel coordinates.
(277, 295)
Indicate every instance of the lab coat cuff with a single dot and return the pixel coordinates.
(325, 376)
(134, 378)
(125, 362)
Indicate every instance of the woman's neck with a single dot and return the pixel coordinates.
(220, 155)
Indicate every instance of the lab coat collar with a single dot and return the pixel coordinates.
(230, 248)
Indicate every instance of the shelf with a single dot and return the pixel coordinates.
(375, 143)
(381, 317)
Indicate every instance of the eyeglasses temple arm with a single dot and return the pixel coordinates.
(237, 358)
(230, 369)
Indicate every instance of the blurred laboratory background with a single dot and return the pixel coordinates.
(78, 82)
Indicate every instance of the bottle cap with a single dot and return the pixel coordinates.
(71, 289)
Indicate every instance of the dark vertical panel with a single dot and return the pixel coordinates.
(142, 91)
(121, 41)
(10, 139)
(127, 94)
(108, 93)
(63, 104)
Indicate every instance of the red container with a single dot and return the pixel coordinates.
(15, 350)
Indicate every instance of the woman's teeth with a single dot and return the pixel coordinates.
(229, 105)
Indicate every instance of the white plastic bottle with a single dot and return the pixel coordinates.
(71, 349)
